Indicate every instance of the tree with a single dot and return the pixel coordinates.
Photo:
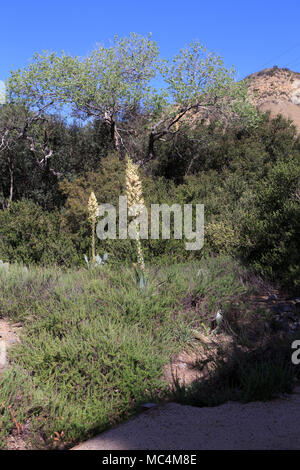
(23, 115)
(13, 125)
(18, 126)
(113, 84)
(108, 84)
(31, 94)
(197, 81)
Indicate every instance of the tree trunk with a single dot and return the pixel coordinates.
(116, 139)
(151, 153)
(115, 136)
(11, 186)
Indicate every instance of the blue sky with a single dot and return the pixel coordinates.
(249, 35)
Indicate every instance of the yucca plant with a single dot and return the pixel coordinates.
(96, 260)
(134, 195)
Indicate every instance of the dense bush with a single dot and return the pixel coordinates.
(271, 225)
(28, 234)
(108, 183)
(247, 181)
(75, 149)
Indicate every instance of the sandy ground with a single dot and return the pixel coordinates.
(8, 337)
(271, 425)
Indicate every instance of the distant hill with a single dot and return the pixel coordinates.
(276, 90)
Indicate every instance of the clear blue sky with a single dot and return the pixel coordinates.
(248, 34)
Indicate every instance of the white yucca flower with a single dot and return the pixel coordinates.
(134, 194)
(93, 214)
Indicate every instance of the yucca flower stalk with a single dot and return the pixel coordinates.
(93, 214)
(134, 193)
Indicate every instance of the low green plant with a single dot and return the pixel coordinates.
(93, 348)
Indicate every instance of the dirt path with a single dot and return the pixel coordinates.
(9, 335)
(271, 425)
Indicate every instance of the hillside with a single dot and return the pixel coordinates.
(277, 90)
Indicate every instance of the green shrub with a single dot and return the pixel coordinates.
(220, 237)
(270, 227)
(30, 235)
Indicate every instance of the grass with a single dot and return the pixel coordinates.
(93, 345)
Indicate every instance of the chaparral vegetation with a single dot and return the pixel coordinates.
(100, 320)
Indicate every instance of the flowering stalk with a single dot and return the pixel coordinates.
(140, 256)
(93, 213)
(134, 195)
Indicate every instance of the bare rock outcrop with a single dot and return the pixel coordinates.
(276, 90)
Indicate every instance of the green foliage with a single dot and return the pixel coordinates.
(195, 73)
(108, 84)
(236, 176)
(112, 80)
(220, 237)
(30, 235)
(75, 150)
(271, 225)
(92, 347)
(108, 184)
(114, 84)
(232, 173)
(248, 183)
(95, 341)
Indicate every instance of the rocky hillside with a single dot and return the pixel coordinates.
(277, 90)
